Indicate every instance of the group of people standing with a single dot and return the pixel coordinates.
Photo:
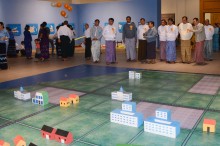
(203, 41)
(168, 34)
(93, 41)
(206, 40)
(42, 42)
(146, 36)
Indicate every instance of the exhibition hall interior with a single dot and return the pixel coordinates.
(109, 72)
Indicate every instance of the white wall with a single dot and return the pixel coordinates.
(189, 8)
(2, 16)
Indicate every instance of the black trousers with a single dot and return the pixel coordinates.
(88, 44)
(3, 57)
(142, 50)
(58, 48)
(12, 48)
(71, 48)
(151, 50)
(65, 45)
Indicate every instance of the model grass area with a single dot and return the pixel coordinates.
(89, 120)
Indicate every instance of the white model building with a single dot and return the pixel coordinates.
(22, 95)
(121, 95)
(127, 116)
(134, 75)
(162, 124)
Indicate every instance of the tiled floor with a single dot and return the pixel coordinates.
(89, 120)
(20, 67)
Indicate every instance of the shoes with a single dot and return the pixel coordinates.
(134, 60)
(114, 62)
(128, 60)
(108, 63)
(201, 63)
(64, 59)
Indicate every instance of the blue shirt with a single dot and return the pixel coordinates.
(3, 33)
(11, 35)
(151, 35)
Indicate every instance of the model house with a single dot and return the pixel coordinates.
(41, 98)
(127, 116)
(32, 144)
(64, 102)
(3, 143)
(121, 95)
(19, 141)
(162, 124)
(22, 95)
(48, 132)
(134, 75)
(64, 137)
(209, 125)
(74, 99)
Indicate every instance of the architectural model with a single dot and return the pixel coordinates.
(127, 116)
(121, 95)
(22, 95)
(209, 125)
(134, 75)
(41, 98)
(162, 124)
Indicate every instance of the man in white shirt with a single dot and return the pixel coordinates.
(209, 32)
(64, 35)
(185, 36)
(88, 42)
(163, 41)
(171, 35)
(142, 42)
(109, 34)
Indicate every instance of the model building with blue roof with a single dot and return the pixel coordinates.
(127, 116)
(162, 124)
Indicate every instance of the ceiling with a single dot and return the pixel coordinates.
(82, 1)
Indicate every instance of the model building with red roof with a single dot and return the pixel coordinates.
(64, 102)
(74, 99)
(3, 143)
(63, 136)
(209, 125)
(48, 132)
(19, 141)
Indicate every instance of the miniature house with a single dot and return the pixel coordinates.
(74, 99)
(32, 144)
(3, 143)
(162, 124)
(134, 75)
(64, 102)
(209, 125)
(121, 95)
(127, 116)
(22, 95)
(63, 136)
(41, 98)
(48, 132)
(19, 141)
